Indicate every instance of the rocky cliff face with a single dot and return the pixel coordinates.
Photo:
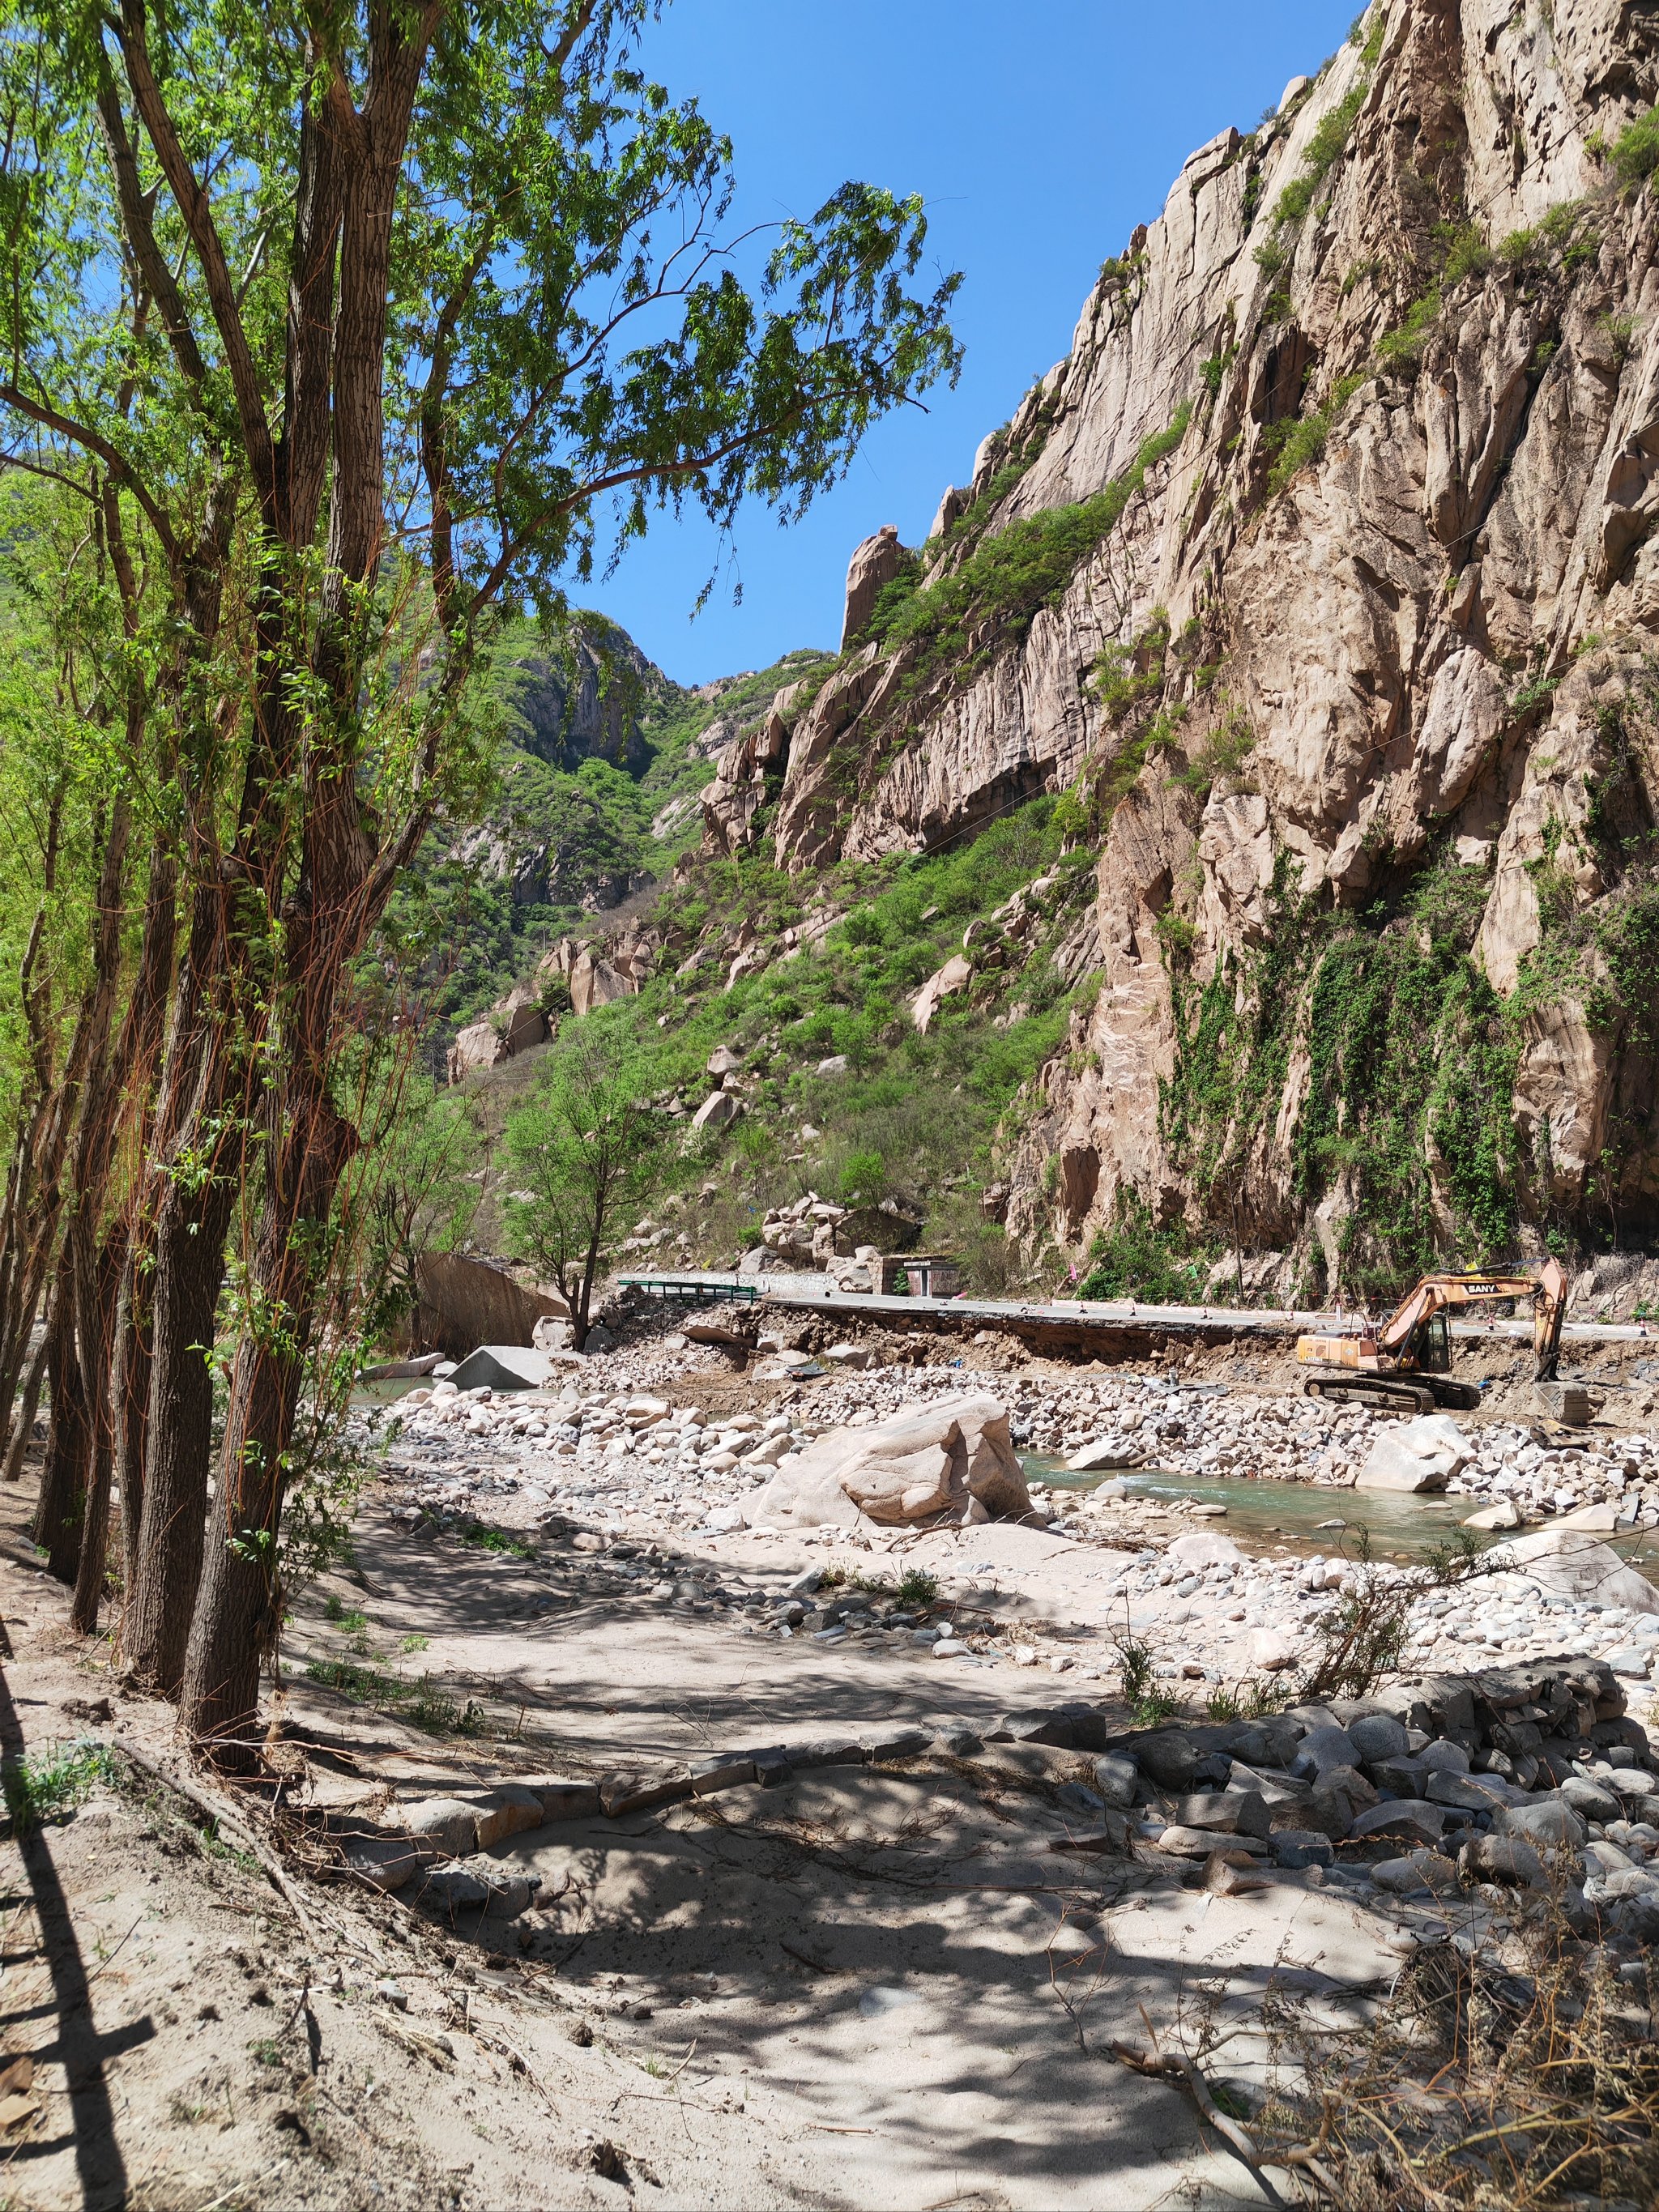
(1321, 575)
(585, 703)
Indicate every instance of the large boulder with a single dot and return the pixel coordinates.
(1420, 1454)
(1571, 1562)
(595, 982)
(465, 1301)
(955, 976)
(478, 1046)
(717, 1111)
(951, 1458)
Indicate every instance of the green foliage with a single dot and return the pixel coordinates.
(1533, 690)
(1402, 349)
(863, 1178)
(1324, 150)
(1635, 152)
(1120, 270)
(1137, 1258)
(1568, 237)
(585, 1148)
(1298, 442)
(1117, 776)
(1212, 371)
(52, 1784)
(1465, 250)
(484, 1538)
(1121, 676)
(1412, 1058)
(1218, 760)
(1331, 136)
(1147, 1705)
(1002, 584)
(421, 1702)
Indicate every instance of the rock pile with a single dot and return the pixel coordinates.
(804, 1234)
(1527, 1778)
(950, 1459)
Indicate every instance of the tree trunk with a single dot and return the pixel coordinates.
(111, 1360)
(237, 1612)
(25, 1407)
(59, 1507)
(189, 1267)
(129, 1389)
(96, 1335)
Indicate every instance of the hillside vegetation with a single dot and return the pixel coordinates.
(921, 1120)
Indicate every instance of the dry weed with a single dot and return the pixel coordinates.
(1524, 2075)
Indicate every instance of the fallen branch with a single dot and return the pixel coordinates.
(1181, 2071)
(229, 1823)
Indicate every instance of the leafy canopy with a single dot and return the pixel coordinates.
(568, 341)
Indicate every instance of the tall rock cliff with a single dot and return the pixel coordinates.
(1321, 577)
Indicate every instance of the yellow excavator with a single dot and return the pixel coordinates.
(1406, 1364)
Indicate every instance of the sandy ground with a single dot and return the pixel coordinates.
(875, 1988)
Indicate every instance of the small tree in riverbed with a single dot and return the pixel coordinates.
(584, 1151)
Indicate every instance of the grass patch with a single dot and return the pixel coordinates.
(484, 1538)
(52, 1784)
(1147, 1705)
(917, 1589)
(1297, 443)
(423, 1703)
(1634, 154)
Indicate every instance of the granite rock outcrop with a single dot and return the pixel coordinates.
(1352, 664)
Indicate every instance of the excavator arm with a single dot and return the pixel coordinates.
(1546, 1287)
(1549, 1311)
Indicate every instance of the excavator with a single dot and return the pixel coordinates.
(1404, 1365)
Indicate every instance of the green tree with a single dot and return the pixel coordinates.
(421, 1198)
(377, 322)
(586, 1149)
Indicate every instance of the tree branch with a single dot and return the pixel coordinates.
(597, 486)
(192, 204)
(434, 452)
(136, 220)
(78, 433)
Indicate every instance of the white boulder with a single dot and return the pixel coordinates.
(1420, 1454)
(955, 976)
(1105, 1452)
(1572, 1564)
(924, 1464)
(1203, 1549)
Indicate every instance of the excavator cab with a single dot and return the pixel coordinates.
(1434, 1355)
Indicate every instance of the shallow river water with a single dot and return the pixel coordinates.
(1293, 1512)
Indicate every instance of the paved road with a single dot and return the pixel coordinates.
(1068, 1315)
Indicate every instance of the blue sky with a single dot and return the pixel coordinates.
(1039, 136)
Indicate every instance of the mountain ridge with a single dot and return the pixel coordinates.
(1316, 592)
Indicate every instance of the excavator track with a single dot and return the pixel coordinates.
(1386, 1393)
